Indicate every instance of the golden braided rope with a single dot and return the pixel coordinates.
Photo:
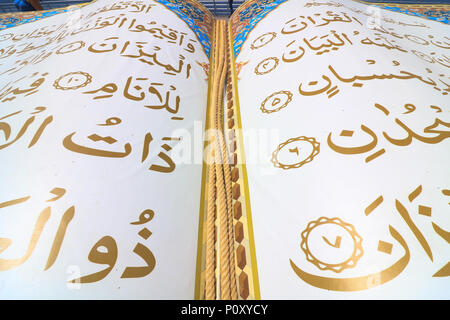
(210, 281)
(225, 292)
(227, 175)
(227, 172)
(219, 187)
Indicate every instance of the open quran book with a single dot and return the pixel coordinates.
(297, 150)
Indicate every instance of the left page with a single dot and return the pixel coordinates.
(100, 109)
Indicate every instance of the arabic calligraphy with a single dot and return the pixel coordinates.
(39, 41)
(97, 254)
(44, 216)
(439, 128)
(318, 232)
(109, 257)
(168, 166)
(6, 128)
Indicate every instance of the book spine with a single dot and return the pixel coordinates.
(218, 276)
(226, 264)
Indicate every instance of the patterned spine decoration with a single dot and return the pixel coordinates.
(227, 172)
(240, 223)
(219, 188)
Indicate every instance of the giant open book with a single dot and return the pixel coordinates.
(297, 150)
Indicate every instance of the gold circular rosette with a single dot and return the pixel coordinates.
(73, 80)
(262, 40)
(295, 152)
(266, 65)
(331, 244)
(276, 101)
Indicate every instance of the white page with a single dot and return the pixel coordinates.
(311, 200)
(111, 84)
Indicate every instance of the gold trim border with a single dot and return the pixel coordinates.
(257, 293)
(199, 281)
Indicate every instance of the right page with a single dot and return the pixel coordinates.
(344, 111)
